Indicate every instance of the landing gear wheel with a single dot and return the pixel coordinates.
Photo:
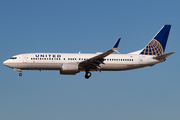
(88, 74)
(20, 74)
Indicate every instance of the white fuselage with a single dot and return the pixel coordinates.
(54, 61)
(72, 63)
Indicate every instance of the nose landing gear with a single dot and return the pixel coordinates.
(87, 75)
(20, 74)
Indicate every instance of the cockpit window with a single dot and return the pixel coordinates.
(13, 58)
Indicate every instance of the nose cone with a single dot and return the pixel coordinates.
(6, 63)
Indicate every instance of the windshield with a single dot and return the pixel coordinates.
(13, 58)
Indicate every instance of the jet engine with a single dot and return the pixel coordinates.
(69, 69)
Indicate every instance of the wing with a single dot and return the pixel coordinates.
(94, 62)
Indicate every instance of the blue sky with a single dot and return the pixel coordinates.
(88, 26)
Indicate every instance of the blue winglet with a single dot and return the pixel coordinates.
(117, 43)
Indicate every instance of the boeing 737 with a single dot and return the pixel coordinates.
(71, 63)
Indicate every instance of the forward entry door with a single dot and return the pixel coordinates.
(25, 58)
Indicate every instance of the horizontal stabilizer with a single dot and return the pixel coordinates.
(163, 56)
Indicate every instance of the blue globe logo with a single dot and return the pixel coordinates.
(153, 48)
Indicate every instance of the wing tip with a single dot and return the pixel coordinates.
(117, 43)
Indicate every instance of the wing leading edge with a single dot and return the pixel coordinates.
(94, 62)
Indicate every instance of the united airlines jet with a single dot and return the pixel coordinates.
(71, 63)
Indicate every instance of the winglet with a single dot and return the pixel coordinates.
(116, 44)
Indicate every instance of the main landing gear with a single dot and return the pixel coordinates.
(87, 75)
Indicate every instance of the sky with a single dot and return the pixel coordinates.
(68, 26)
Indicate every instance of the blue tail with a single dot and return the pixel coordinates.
(158, 44)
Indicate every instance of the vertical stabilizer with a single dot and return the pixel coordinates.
(158, 44)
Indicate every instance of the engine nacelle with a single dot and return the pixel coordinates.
(69, 69)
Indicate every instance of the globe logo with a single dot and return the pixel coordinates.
(153, 48)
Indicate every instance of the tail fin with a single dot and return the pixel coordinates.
(158, 44)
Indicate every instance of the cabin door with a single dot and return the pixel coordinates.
(25, 58)
(140, 60)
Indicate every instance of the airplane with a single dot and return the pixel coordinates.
(73, 63)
